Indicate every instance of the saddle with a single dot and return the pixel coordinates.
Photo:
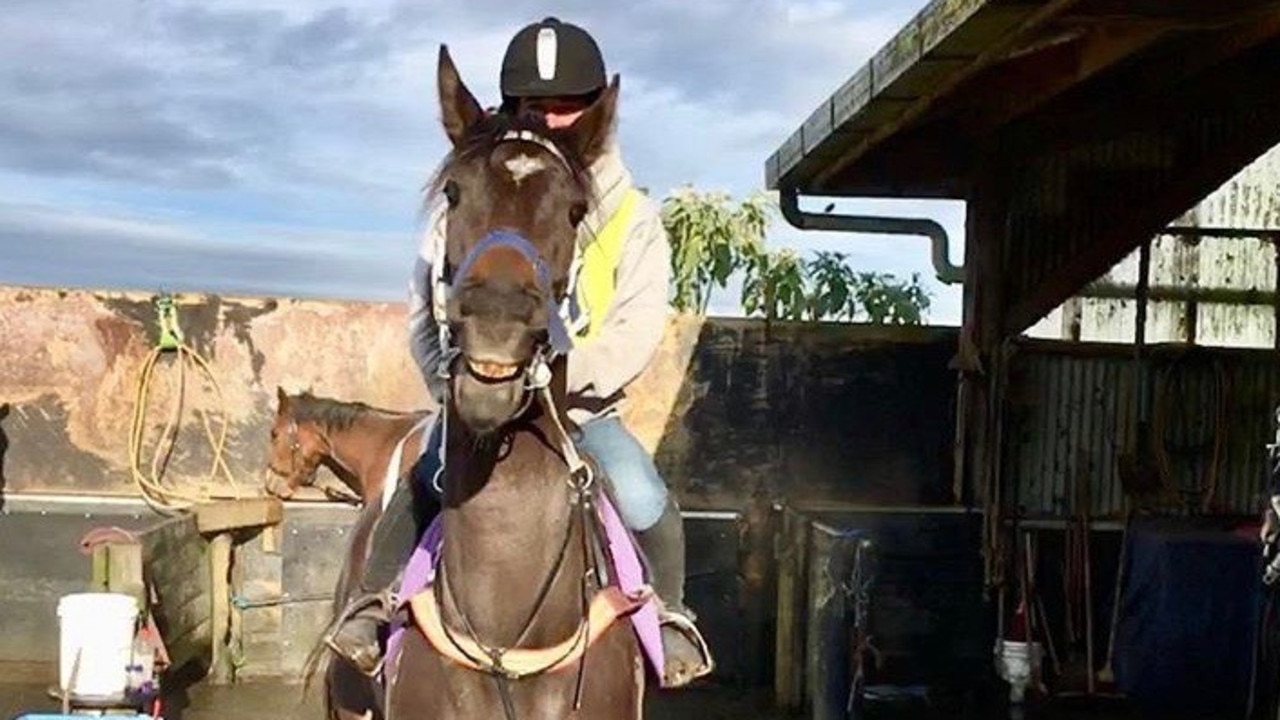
(628, 596)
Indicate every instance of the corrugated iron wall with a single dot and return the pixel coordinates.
(1246, 266)
(1059, 205)
(1062, 202)
(1073, 412)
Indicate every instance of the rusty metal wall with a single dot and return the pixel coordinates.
(732, 409)
(1072, 412)
(71, 364)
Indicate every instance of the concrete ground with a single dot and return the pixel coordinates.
(275, 701)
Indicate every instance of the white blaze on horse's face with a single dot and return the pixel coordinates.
(522, 166)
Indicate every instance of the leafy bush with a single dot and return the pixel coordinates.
(712, 238)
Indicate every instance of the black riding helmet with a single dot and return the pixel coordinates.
(551, 58)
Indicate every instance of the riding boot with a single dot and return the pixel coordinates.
(688, 656)
(356, 634)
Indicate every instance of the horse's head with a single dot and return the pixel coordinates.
(516, 192)
(297, 448)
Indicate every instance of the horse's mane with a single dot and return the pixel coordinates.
(334, 414)
(486, 134)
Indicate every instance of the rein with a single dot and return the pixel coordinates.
(605, 608)
(608, 604)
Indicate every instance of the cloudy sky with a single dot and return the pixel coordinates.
(273, 147)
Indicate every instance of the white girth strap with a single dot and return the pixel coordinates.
(392, 478)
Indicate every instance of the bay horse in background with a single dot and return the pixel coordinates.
(518, 620)
(355, 441)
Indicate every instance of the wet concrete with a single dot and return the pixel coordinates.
(275, 701)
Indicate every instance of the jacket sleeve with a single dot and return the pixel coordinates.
(636, 320)
(423, 330)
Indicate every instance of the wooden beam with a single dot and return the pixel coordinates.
(1143, 94)
(1194, 15)
(930, 152)
(224, 515)
(944, 147)
(920, 107)
(1185, 13)
(1229, 93)
(1018, 87)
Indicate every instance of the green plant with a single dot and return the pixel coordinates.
(886, 300)
(833, 285)
(711, 238)
(774, 285)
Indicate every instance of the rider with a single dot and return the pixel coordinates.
(556, 69)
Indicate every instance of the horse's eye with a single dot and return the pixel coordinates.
(451, 193)
(576, 212)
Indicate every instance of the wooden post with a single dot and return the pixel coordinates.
(221, 519)
(789, 644)
(783, 687)
(221, 670)
(117, 568)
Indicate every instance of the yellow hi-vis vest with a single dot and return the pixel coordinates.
(597, 275)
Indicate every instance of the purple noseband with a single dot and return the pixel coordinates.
(558, 334)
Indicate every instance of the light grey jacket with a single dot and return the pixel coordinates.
(599, 371)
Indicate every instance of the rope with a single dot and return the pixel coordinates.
(1207, 486)
(162, 497)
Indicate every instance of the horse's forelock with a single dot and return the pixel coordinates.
(488, 134)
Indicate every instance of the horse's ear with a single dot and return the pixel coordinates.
(5, 408)
(593, 131)
(282, 400)
(458, 107)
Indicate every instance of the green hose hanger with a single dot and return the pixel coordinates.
(167, 318)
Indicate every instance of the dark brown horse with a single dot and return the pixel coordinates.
(516, 578)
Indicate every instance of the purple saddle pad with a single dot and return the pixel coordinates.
(628, 574)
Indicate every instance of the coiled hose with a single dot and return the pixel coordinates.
(163, 497)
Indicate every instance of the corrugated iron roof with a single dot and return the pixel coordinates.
(908, 122)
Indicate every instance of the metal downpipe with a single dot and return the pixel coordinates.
(789, 202)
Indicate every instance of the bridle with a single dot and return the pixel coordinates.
(299, 465)
(302, 469)
(537, 376)
(537, 373)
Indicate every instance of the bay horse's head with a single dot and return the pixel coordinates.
(516, 193)
(297, 449)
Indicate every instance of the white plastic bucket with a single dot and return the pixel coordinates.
(97, 629)
(1017, 663)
